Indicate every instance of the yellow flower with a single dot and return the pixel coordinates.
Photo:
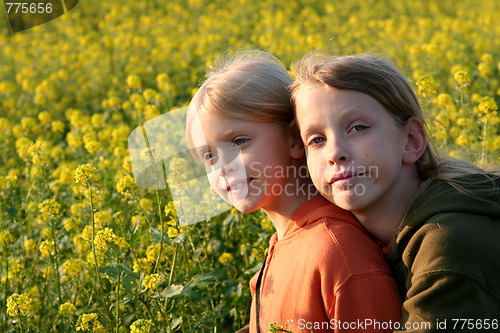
(172, 232)
(74, 139)
(93, 146)
(88, 321)
(19, 305)
(149, 94)
(70, 223)
(103, 217)
(484, 69)
(5, 239)
(444, 99)
(146, 204)
(67, 309)
(45, 117)
(97, 120)
(487, 57)
(73, 267)
(85, 173)
(57, 126)
(48, 247)
(462, 79)
(124, 185)
(134, 82)
(151, 281)
(141, 326)
(29, 246)
(103, 237)
(178, 165)
(487, 105)
(49, 208)
(226, 258)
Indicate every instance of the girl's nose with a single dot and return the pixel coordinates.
(336, 150)
(229, 163)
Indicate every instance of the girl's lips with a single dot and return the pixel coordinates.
(235, 186)
(346, 178)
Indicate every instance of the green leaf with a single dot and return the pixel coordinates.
(136, 233)
(205, 278)
(172, 290)
(156, 234)
(129, 277)
(181, 238)
(176, 323)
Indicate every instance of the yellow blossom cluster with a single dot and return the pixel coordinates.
(19, 305)
(73, 90)
(88, 321)
(151, 281)
(85, 173)
(103, 238)
(141, 326)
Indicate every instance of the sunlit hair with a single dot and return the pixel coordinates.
(380, 79)
(250, 86)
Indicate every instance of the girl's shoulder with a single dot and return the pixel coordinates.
(469, 194)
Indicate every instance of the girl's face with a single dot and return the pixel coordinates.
(354, 148)
(244, 160)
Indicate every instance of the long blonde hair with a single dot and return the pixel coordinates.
(250, 86)
(380, 79)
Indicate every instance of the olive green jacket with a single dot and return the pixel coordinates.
(446, 258)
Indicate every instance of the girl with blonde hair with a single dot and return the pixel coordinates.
(367, 152)
(323, 271)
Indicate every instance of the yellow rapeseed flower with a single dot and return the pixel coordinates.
(462, 78)
(57, 126)
(48, 247)
(85, 173)
(141, 326)
(73, 267)
(103, 238)
(226, 258)
(19, 304)
(134, 82)
(125, 184)
(5, 239)
(151, 281)
(88, 321)
(67, 309)
(49, 208)
(45, 117)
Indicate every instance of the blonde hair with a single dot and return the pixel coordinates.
(250, 86)
(380, 79)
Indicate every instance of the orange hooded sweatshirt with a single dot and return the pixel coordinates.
(326, 274)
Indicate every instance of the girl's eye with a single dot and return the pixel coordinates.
(240, 141)
(209, 156)
(317, 140)
(358, 128)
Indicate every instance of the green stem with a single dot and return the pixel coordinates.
(56, 263)
(147, 309)
(117, 321)
(101, 289)
(162, 230)
(4, 322)
(465, 115)
(142, 209)
(173, 264)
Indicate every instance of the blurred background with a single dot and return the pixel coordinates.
(98, 253)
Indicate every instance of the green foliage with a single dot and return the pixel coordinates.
(72, 90)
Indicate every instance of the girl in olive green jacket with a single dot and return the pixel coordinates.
(367, 152)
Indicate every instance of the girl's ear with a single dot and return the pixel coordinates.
(297, 150)
(416, 141)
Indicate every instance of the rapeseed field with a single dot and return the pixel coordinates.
(83, 248)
